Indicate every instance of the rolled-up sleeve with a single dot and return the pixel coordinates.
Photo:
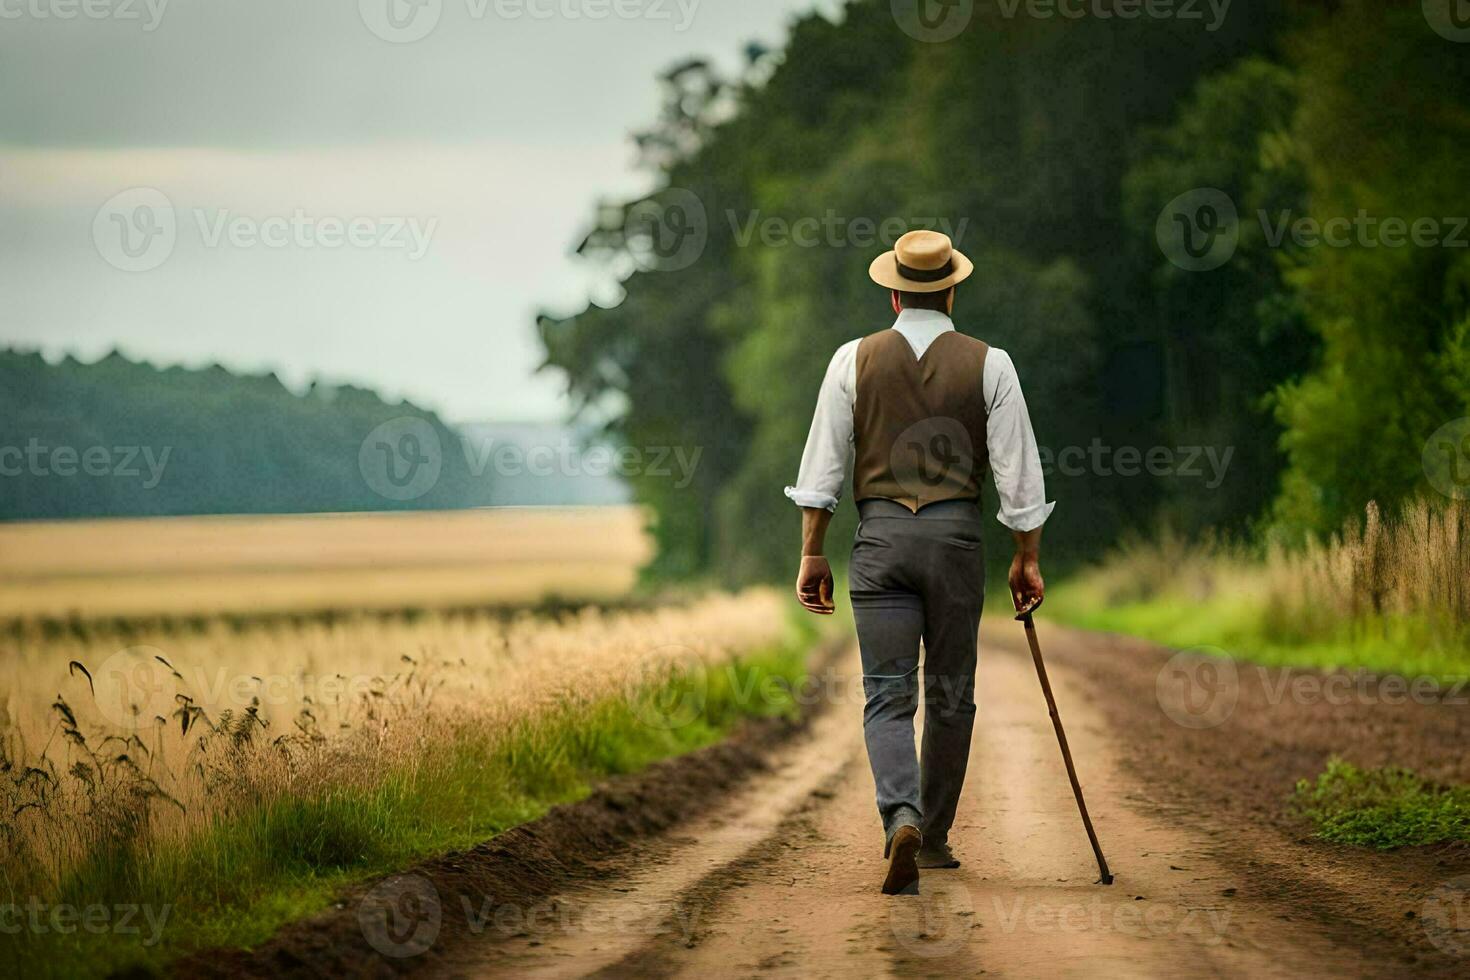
(1014, 459)
(828, 453)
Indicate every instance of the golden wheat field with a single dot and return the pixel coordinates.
(146, 672)
(193, 566)
(202, 714)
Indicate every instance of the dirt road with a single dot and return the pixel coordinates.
(782, 878)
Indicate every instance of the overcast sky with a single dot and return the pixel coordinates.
(381, 192)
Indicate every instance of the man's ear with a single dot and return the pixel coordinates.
(897, 306)
(949, 304)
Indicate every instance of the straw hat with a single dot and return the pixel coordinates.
(921, 262)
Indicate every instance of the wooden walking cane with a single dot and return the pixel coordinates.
(1024, 616)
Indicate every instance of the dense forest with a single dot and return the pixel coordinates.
(123, 438)
(1150, 204)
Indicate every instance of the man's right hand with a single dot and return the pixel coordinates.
(1027, 587)
(814, 585)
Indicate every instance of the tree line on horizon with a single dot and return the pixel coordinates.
(1316, 366)
(122, 438)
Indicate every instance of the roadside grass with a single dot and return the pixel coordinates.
(1390, 594)
(254, 870)
(1382, 808)
(1239, 624)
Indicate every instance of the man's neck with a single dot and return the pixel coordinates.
(924, 319)
(921, 327)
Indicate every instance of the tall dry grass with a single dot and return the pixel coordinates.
(1168, 565)
(116, 741)
(1413, 565)
(1390, 589)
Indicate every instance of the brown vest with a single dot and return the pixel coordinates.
(919, 423)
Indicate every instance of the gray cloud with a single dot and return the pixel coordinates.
(503, 132)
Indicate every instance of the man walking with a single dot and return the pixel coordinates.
(921, 411)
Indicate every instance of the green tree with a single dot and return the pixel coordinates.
(1228, 337)
(1384, 126)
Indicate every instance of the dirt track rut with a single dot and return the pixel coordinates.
(783, 878)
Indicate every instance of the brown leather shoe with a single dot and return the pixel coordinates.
(903, 869)
(937, 856)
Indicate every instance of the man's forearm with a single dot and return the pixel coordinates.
(1027, 586)
(814, 521)
(1028, 543)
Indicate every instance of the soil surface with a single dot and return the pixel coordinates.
(407, 922)
(765, 855)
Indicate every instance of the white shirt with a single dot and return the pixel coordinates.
(1014, 460)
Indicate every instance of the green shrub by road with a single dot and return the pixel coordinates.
(1383, 808)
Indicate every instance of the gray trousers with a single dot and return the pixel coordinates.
(918, 576)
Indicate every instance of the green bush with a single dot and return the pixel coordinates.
(1382, 808)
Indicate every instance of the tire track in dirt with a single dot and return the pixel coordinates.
(784, 879)
(660, 897)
